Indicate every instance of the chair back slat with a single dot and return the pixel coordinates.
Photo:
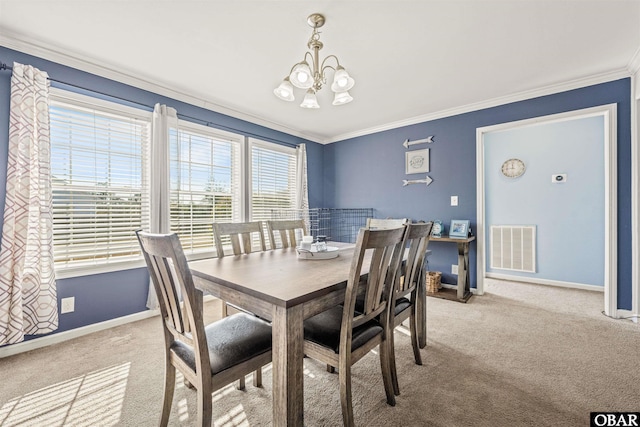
(241, 236)
(387, 248)
(417, 238)
(286, 230)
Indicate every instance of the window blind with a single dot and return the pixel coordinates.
(205, 168)
(273, 178)
(100, 191)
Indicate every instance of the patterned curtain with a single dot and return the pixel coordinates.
(28, 300)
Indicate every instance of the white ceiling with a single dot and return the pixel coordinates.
(411, 59)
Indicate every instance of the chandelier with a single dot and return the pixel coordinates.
(312, 77)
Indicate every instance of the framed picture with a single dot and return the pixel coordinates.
(459, 229)
(437, 229)
(416, 161)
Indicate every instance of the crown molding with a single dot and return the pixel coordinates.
(51, 53)
(520, 96)
(634, 63)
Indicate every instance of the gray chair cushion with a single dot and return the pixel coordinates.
(231, 341)
(324, 329)
(401, 305)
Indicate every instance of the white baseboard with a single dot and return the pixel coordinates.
(47, 340)
(627, 314)
(10, 350)
(547, 282)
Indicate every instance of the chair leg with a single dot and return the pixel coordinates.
(241, 383)
(414, 338)
(225, 309)
(169, 387)
(205, 409)
(392, 362)
(345, 395)
(257, 377)
(385, 366)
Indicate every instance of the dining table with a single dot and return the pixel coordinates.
(279, 286)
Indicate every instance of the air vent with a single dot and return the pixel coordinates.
(513, 247)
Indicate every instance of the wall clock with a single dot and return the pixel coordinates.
(513, 168)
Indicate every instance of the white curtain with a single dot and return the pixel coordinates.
(164, 118)
(28, 299)
(302, 192)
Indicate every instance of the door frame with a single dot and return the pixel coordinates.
(609, 114)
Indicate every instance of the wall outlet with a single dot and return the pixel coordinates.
(67, 305)
(454, 200)
(454, 268)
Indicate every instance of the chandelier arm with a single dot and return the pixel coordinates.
(303, 59)
(322, 66)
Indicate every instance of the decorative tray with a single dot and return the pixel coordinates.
(314, 255)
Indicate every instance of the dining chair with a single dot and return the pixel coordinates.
(241, 235)
(405, 295)
(286, 230)
(341, 336)
(209, 357)
(384, 223)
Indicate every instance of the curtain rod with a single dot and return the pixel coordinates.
(207, 123)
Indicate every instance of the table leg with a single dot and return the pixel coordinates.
(288, 352)
(463, 270)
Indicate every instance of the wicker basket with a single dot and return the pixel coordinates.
(433, 281)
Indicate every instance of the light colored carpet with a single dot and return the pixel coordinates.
(521, 355)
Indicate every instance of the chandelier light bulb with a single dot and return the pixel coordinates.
(310, 100)
(285, 90)
(342, 81)
(342, 98)
(300, 76)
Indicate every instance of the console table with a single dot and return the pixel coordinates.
(463, 289)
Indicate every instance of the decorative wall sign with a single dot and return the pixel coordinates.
(408, 143)
(427, 181)
(417, 161)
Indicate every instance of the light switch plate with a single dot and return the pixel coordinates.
(454, 200)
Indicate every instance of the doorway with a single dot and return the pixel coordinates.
(547, 181)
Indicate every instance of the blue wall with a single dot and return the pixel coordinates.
(361, 172)
(106, 296)
(569, 216)
(367, 171)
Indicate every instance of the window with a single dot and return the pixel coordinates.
(205, 169)
(101, 173)
(273, 179)
(100, 193)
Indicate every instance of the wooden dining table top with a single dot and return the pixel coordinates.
(278, 276)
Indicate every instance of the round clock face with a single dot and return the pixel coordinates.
(513, 168)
